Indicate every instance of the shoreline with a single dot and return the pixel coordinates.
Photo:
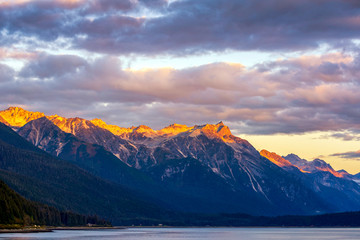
(51, 229)
(243, 227)
(85, 228)
(25, 230)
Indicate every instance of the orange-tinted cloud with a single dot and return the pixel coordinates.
(4, 3)
(16, 54)
(283, 96)
(14, 3)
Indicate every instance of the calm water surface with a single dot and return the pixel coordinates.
(196, 233)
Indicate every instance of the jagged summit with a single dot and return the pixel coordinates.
(126, 133)
(98, 121)
(142, 133)
(18, 117)
(174, 129)
(295, 160)
(218, 131)
(56, 118)
(321, 165)
(143, 128)
(344, 173)
(116, 130)
(70, 125)
(175, 125)
(317, 165)
(13, 109)
(220, 123)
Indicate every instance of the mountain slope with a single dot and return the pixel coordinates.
(2, 120)
(278, 160)
(244, 176)
(41, 177)
(210, 192)
(88, 132)
(45, 135)
(340, 192)
(239, 165)
(14, 209)
(17, 117)
(316, 165)
(94, 158)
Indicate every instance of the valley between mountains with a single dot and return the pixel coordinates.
(140, 175)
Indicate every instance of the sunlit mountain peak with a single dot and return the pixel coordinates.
(18, 117)
(56, 117)
(174, 129)
(343, 173)
(116, 130)
(277, 159)
(317, 165)
(70, 125)
(321, 165)
(219, 131)
(98, 121)
(143, 128)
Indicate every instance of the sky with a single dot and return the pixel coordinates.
(284, 75)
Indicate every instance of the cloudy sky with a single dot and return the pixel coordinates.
(283, 74)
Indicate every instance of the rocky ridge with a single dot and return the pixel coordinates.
(175, 154)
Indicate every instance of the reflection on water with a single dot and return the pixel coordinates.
(195, 233)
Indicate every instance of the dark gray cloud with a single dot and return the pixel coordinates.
(348, 155)
(187, 26)
(348, 135)
(6, 73)
(50, 66)
(36, 19)
(96, 6)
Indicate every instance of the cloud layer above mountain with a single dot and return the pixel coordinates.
(288, 96)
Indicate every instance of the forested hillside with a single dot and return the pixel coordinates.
(16, 211)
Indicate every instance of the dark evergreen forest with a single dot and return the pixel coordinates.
(16, 210)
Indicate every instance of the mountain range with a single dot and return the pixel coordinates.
(198, 169)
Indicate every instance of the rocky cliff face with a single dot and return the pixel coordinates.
(88, 132)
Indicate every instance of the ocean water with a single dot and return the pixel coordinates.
(195, 234)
